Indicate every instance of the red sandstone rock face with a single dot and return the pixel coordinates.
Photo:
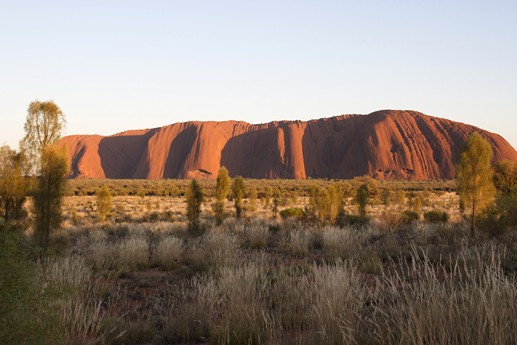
(386, 144)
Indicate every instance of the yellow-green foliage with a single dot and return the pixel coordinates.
(474, 176)
(13, 184)
(362, 199)
(103, 203)
(238, 192)
(49, 192)
(43, 127)
(221, 193)
(194, 198)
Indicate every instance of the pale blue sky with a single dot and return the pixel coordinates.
(116, 65)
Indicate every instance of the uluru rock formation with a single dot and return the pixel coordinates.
(387, 144)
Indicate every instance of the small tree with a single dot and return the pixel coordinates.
(323, 205)
(502, 215)
(49, 193)
(336, 202)
(505, 177)
(313, 203)
(103, 203)
(252, 198)
(238, 192)
(267, 196)
(274, 208)
(222, 188)
(13, 184)
(195, 198)
(362, 199)
(43, 127)
(474, 176)
(386, 197)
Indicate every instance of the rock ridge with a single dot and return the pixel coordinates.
(386, 144)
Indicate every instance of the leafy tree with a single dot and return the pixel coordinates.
(502, 215)
(43, 127)
(505, 177)
(346, 188)
(325, 204)
(195, 198)
(399, 197)
(336, 202)
(222, 188)
(13, 184)
(313, 203)
(362, 199)
(267, 196)
(274, 208)
(474, 176)
(252, 198)
(372, 186)
(49, 193)
(238, 192)
(417, 204)
(322, 204)
(386, 197)
(103, 203)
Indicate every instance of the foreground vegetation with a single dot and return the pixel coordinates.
(132, 270)
(253, 261)
(269, 282)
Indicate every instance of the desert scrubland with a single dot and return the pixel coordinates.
(409, 272)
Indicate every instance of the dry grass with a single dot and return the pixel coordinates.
(329, 304)
(261, 281)
(168, 252)
(429, 304)
(256, 236)
(78, 309)
(298, 241)
(228, 307)
(125, 254)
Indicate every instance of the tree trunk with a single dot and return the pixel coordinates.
(473, 223)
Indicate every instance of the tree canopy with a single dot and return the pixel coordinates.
(238, 192)
(43, 127)
(474, 176)
(49, 193)
(13, 184)
(221, 193)
(194, 198)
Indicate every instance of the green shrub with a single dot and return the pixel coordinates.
(104, 205)
(436, 216)
(501, 217)
(357, 220)
(409, 217)
(293, 212)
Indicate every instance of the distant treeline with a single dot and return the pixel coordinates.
(263, 187)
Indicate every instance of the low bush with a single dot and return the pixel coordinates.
(500, 218)
(436, 216)
(409, 217)
(293, 212)
(357, 220)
